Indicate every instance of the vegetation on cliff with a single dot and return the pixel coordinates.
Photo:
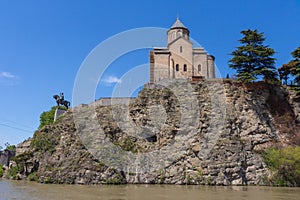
(1, 170)
(292, 68)
(47, 117)
(10, 147)
(284, 164)
(12, 173)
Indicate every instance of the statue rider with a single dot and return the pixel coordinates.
(62, 97)
(60, 100)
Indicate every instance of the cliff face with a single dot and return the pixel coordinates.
(177, 133)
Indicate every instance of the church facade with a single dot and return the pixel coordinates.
(179, 60)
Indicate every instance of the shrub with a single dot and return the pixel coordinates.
(11, 147)
(1, 171)
(284, 164)
(47, 117)
(117, 179)
(33, 177)
(47, 179)
(12, 173)
(43, 141)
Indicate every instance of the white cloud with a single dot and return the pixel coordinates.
(8, 79)
(7, 75)
(111, 80)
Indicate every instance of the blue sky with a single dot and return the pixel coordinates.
(44, 42)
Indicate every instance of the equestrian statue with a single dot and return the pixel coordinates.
(60, 100)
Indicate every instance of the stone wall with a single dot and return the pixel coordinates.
(114, 101)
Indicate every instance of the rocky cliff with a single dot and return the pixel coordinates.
(207, 132)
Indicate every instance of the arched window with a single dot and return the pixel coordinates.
(177, 67)
(184, 68)
(178, 34)
(199, 68)
(180, 49)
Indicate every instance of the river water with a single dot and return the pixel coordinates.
(35, 191)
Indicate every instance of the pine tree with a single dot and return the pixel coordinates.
(284, 73)
(295, 65)
(294, 69)
(253, 58)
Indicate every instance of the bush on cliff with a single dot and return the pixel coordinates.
(284, 164)
(33, 177)
(47, 117)
(12, 173)
(44, 141)
(11, 147)
(1, 170)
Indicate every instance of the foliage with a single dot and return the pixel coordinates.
(284, 72)
(47, 117)
(117, 179)
(1, 170)
(292, 68)
(47, 180)
(42, 141)
(12, 172)
(10, 147)
(285, 165)
(22, 159)
(127, 144)
(295, 71)
(33, 177)
(253, 58)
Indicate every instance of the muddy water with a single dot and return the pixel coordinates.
(31, 191)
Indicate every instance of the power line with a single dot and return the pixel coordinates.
(13, 127)
(17, 123)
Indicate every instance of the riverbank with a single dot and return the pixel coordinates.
(36, 191)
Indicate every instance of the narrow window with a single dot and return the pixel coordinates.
(180, 49)
(177, 67)
(184, 68)
(199, 68)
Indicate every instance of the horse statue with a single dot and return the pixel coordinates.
(61, 101)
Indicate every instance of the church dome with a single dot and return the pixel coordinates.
(178, 24)
(178, 30)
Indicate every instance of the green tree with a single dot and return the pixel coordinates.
(47, 117)
(253, 59)
(293, 68)
(284, 72)
(10, 147)
(295, 65)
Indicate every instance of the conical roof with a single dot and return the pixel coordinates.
(178, 24)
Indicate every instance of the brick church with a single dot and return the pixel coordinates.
(179, 60)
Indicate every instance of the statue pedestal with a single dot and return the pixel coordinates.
(58, 113)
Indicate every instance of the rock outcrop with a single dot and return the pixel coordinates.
(207, 132)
